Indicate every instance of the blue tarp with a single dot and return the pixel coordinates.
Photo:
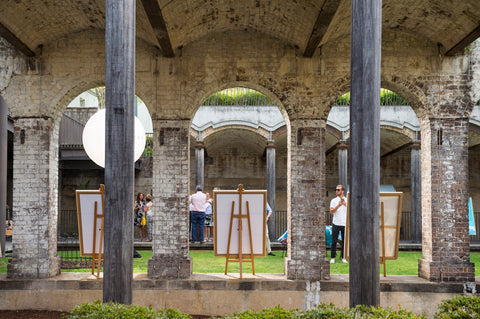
(471, 220)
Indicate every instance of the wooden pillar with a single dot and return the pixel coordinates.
(365, 152)
(3, 170)
(416, 180)
(119, 148)
(270, 154)
(343, 164)
(200, 164)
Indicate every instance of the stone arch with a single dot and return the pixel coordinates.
(413, 93)
(209, 90)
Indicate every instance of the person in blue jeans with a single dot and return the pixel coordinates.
(199, 203)
(338, 207)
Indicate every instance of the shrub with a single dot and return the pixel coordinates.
(329, 311)
(111, 310)
(459, 307)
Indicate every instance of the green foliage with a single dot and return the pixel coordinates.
(329, 311)
(148, 151)
(387, 97)
(111, 310)
(459, 307)
(268, 313)
(237, 96)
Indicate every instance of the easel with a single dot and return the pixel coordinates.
(240, 216)
(91, 225)
(97, 257)
(390, 218)
(382, 229)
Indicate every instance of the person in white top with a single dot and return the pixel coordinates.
(338, 207)
(199, 202)
(149, 211)
(208, 219)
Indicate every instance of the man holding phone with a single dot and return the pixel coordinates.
(338, 207)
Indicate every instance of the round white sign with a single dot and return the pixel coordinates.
(94, 138)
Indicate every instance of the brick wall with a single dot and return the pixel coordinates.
(444, 157)
(170, 257)
(34, 200)
(307, 219)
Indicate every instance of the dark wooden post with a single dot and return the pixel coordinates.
(119, 147)
(270, 154)
(416, 176)
(365, 152)
(3, 170)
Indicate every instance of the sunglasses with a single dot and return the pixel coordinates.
(338, 190)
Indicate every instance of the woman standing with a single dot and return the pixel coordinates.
(139, 214)
(149, 212)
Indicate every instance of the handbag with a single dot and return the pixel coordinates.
(143, 222)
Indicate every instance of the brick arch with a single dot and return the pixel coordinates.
(411, 92)
(69, 95)
(405, 131)
(203, 95)
(210, 131)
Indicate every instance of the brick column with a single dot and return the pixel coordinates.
(444, 159)
(171, 156)
(35, 203)
(306, 223)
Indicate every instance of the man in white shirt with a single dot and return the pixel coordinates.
(199, 202)
(338, 207)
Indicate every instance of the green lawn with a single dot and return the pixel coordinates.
(205, 262)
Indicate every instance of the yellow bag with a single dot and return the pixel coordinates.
(143, 222)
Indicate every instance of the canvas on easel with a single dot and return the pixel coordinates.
(242, 237)
(90, 209)
(390, 219)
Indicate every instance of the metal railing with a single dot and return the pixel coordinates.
(405, 225)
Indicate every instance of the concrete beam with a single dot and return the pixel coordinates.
(472, 36)
(154, 14)
(324, 19)
(15, 41)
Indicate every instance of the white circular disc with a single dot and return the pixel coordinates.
(94, 138)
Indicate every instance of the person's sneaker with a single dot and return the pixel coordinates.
(332, 261)
(271, 254)
(344, 261)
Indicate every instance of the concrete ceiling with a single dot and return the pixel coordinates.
(305, 24)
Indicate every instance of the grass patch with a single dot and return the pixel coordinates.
(205, 262)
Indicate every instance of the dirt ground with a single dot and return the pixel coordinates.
(44, 314)
(30, 314)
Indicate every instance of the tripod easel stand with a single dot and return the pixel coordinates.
(240, 258)
(97, 256)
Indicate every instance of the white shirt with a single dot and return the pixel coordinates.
(340, 216)
(199, 201)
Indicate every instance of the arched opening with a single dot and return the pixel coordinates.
(233, 128)
(399, 155)
(78, 172)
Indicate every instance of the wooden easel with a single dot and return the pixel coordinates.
(382, 229)
(97, 257)
(240, 216)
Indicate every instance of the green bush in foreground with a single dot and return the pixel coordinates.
(326, 311)
(459, 307)
(112, 310)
